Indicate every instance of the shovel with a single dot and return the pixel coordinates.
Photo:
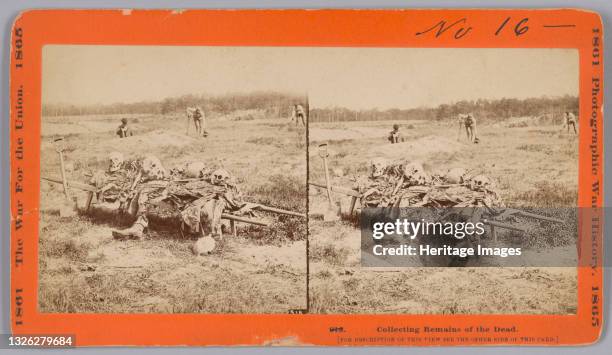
(333, 211)
(68, 207)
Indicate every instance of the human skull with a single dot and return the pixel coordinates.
(409, 169)
(378, 167)
(152, 168)
(115, 161)
(480, 182)
(194, 169)
(220, 177)
(455, 176)
(415, 173)
(177, 171)
(420, 178)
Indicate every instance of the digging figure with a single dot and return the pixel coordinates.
(469, 122)
(570, 120)
(196, 114)
(298, 114)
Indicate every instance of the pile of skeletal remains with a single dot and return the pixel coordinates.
(409, 185)
(187, 192)
(193, 192)
(457, 193)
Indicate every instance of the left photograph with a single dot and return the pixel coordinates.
(173, 180)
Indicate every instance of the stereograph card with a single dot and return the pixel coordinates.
(306, 177)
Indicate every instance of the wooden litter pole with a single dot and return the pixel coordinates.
(73, 184)
(231, 217)
(504, 225)
(537, 216)
(279, 211)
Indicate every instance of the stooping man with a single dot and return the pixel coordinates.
(196, 114)
(298, 114)
(198, 120)
(469, 121)
(570, 120)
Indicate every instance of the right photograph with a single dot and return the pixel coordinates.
(432, 129)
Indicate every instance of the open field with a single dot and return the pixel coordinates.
(263, 270)
(534, 166)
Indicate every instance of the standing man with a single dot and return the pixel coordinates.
(123, 130)
(570, 119)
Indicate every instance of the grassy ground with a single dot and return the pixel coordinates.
(532, 166)
(263, 270)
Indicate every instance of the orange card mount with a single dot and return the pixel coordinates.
(248, 95)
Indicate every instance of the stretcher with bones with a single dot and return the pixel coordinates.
(392, 189)
(182, 194)
(494, 217)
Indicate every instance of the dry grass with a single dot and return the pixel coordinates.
(547, 194)
(329, 254)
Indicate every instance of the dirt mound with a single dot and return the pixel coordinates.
(331, 134)
(245, 115)
(153, 140)
(419, 148)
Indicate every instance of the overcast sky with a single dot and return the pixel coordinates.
(357, 78)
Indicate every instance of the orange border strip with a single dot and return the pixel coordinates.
(322, 28)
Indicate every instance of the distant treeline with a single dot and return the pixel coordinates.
(272, 102)
(484, 110)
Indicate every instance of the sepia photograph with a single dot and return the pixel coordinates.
(327, 177)
(493, 130)
(173, 180)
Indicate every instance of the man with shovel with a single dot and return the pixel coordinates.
(470, 127)
(299, 114)
(570, 120)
